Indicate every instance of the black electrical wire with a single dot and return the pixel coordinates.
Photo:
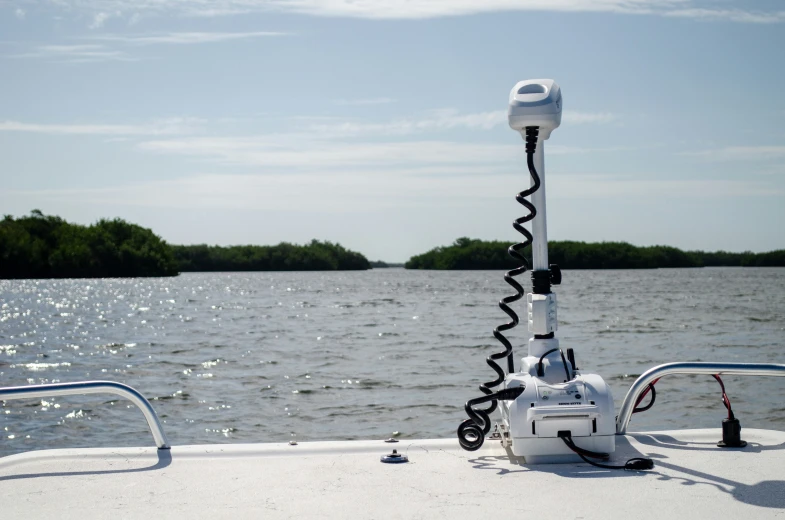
(540, 369)
(473, 430)
(636, 463)
(641, 397)
(651, 401)
(566, 370)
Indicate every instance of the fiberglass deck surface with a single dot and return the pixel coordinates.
(692, 478)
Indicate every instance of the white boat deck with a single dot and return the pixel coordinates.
(692, 478)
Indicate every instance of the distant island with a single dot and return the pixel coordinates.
(315, 256)
(467, 253)
(45, 246)
(378, 264)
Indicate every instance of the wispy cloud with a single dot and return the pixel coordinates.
(444, 119)
(347, 192)
(99, 19)
(364, 101)
(435, 120)
(315, 152)
(339, 191)
(731, 15)
(740, 153)
(406, 9)
(20, 13)
(647, 186)
(112, 47)
(577, 118)
(211, 12)
(160, 127)
(185, 38)
(75, 53)
(402, 9)
(332, 130)
(305, 152)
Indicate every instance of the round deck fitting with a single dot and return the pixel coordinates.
(394, 458)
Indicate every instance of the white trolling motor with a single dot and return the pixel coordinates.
(550, 411)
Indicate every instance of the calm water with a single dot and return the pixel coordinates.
(260, 357)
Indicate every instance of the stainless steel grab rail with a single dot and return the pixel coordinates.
(640, 384)
(92, 387)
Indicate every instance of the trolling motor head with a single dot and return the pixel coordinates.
(535, 102)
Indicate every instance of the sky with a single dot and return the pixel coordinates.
(381, 124)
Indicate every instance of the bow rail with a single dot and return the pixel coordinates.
(92, 387)
(734, 369)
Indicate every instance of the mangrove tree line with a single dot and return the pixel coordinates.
(44, 246)
(467, 253)
(315, 256)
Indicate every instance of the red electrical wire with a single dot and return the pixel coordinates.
(725, 399)
(635, 408)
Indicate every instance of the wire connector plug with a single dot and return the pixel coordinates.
(731, 434)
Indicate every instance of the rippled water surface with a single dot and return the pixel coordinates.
(260, 357)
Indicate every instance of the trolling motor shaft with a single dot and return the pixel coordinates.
(549, 408)
(537, 104)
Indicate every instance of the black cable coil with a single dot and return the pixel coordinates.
(472, 431)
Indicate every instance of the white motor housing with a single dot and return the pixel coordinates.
(582, 406)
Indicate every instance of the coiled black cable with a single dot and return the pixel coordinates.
(470, 435)
(472, 431)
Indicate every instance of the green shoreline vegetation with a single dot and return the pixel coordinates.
(379, 264)
(468, 253)
(315, 256)
(42, 246)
